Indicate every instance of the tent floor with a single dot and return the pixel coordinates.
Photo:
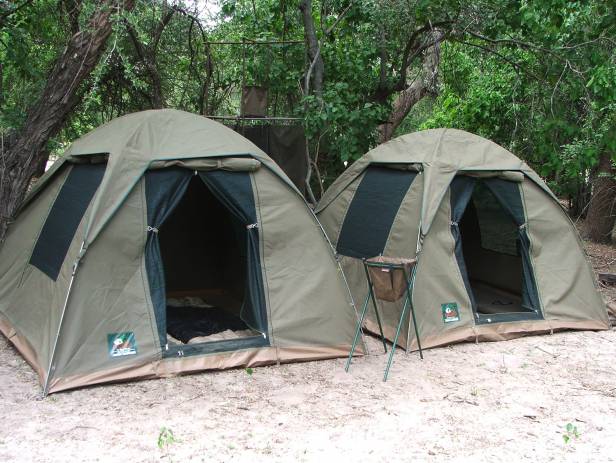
(192, 320)
(491, 300)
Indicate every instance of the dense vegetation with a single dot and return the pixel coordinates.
(536, 77)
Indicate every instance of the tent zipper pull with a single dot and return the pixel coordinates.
(252, 225)
(152, 229)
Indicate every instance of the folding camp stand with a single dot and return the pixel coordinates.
(409, 280)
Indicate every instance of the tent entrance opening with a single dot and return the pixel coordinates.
(203, 250)
(493, 255)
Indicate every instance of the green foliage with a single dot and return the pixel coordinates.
(537, 77)
(30, 40)
(554, 106)
(571, 432)
(249, 371)
(165, 438)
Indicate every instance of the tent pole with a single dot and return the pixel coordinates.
(418, 247)
(346, 283)
(417, 252)
(55, 344)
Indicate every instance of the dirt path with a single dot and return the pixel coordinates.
(507, 401)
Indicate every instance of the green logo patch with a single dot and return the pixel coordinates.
(121, 344)
(450, 312)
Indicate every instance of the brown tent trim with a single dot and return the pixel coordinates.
(496, 332)
(178, 366)
(22, 345)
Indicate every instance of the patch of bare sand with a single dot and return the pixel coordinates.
(506, 401)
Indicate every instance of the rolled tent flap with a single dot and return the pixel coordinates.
(231, 164)
(510, 175)
(164, 190)
(415, 167)
(234, 191)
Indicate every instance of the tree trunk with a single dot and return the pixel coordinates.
(317, 67)
(147, 54)
(25, 153)
(419, 88)
(600, 218)
(315, 71)
(1, 85)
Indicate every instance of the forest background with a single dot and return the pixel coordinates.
(537, 77)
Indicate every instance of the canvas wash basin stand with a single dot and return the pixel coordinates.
(389, 279)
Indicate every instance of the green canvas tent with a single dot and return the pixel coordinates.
(162, 243)
(498, 256)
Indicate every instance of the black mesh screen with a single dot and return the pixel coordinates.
(372, 211)
(64, 217)
(497, 229)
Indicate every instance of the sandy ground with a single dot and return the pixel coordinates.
(469, 402)
(509, 401)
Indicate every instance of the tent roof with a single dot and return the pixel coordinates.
(133, 142)
(442, 153)
(451, 147)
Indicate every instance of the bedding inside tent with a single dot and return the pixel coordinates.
(203, 252)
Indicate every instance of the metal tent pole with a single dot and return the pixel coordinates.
(51, 368)
(418, 247)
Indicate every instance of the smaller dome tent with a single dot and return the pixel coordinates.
(163, 242)
(498, 256)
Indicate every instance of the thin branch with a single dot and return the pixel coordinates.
(515, 42)
(160, 27)
(556, 87)
(517, 66)
(338, 19)
(412, 50)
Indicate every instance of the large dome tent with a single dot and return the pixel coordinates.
(161, 243)
(498, 256)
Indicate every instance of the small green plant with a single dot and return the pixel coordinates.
(249, 371)
(166, 438)
(571, 432)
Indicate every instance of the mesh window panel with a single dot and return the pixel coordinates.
(499, 233)
(64, 217)
(372, 211)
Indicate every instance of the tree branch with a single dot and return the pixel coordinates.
(417, 89)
